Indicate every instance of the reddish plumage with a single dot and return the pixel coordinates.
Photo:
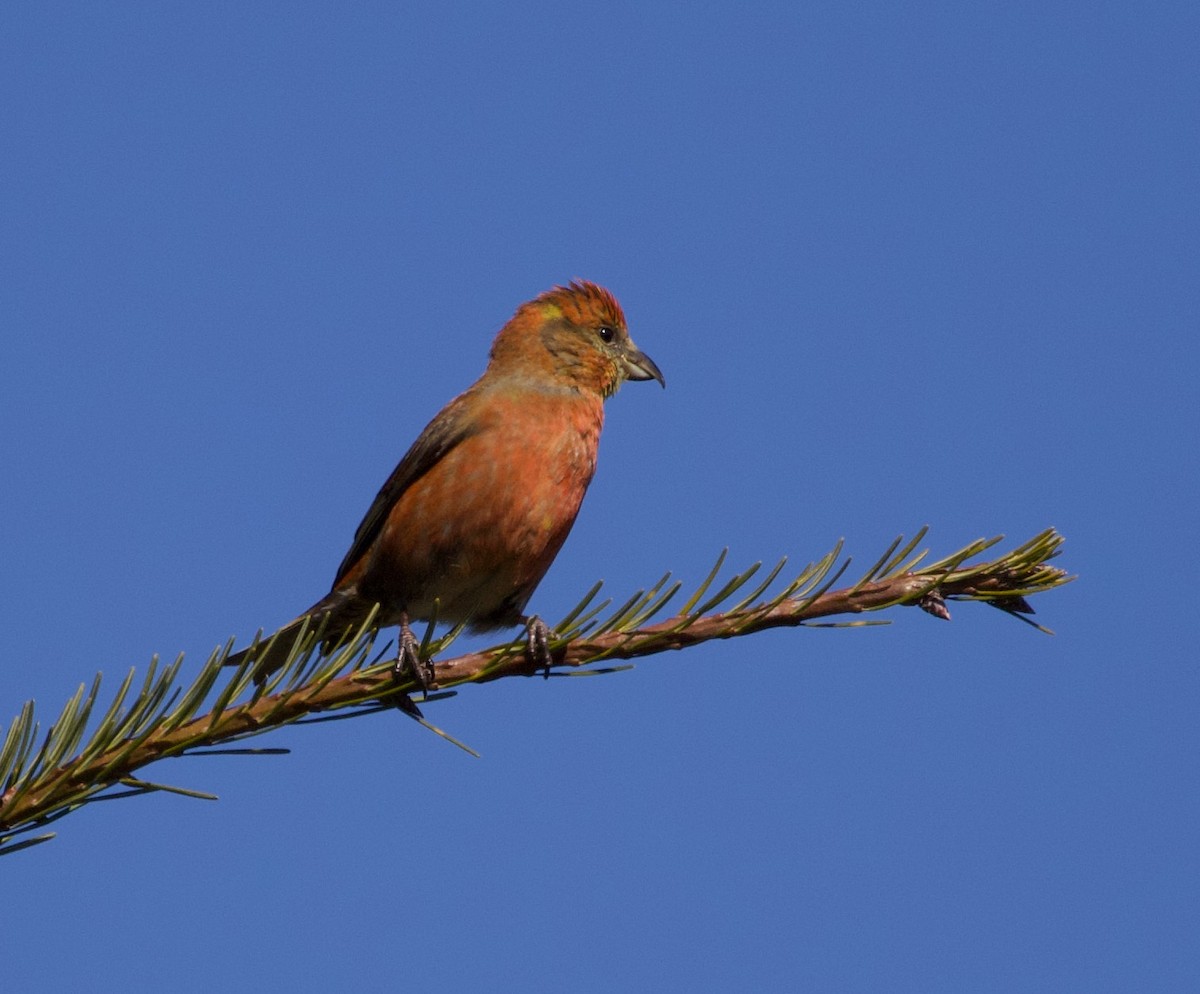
(478, 508)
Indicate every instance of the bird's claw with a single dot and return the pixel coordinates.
(406, 704)
(409, 662)
(537, 644)
(932, 602)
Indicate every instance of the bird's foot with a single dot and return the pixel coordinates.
(537, 644)
(932, 602)
(409, 662)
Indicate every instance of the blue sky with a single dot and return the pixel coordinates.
(900, 265)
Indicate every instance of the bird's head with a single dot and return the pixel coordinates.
(573, 336)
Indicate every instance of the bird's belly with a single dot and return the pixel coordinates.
(477, 534)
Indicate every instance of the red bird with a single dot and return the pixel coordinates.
(483, 500)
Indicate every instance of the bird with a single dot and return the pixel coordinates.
(468, 523)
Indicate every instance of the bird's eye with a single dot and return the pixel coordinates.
(606, 333)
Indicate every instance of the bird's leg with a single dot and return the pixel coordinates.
(409, 661)
(537, 643)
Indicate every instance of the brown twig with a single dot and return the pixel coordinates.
(44, 793)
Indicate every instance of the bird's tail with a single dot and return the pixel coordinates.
(331, 619)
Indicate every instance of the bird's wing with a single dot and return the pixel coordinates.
(441, 435)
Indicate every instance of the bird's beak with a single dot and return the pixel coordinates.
(639, 366)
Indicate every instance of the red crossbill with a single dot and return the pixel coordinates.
(479, 506)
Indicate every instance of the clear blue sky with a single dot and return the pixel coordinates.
(901, 264)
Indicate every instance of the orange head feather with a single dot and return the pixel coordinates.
(572, 337)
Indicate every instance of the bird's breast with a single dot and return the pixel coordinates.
(482, 526)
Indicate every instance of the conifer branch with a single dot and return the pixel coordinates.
(72, 767)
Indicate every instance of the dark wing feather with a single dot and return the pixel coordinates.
(441, 435)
